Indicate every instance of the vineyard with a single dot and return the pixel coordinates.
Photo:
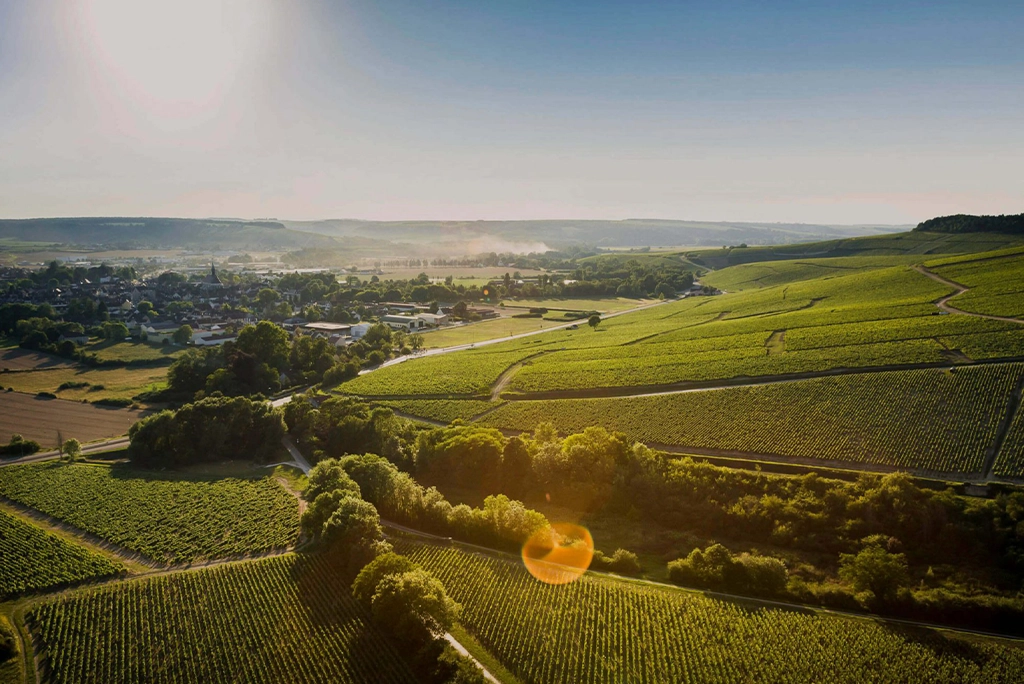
(997, 284)
(168, 520)
(1010, 461)
(604, 630)
(925, 419)
(282, 619)
(442, 410)
(824, 314)
(34, 559)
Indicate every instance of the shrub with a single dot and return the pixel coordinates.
(19, 446)
(622, 561)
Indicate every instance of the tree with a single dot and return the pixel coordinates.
(267, 298)
(414, 605)
(114, 330)
(594, 321)
(265, 341)
(416, 341)
(145, 307)
(72, 448)
(183, 335)
(876, 570)
(365, 584)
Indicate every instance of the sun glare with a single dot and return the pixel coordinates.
(179, 57)
(559, 554)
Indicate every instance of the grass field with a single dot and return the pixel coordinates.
(930, 420)
(604, 630)
(40, 419)
(34, 559)
(170, 519)
(134, 351)
(283, 619)
(102, 383)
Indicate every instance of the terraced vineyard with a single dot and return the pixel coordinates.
(34, 559)
(168, 520)
(282, 619)
(604, 630)
(924, 419)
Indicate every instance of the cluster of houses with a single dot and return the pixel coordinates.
(214, 314)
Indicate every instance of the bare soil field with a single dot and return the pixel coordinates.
(39, 419)
(26, 359)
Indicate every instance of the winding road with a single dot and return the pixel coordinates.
(943, 303)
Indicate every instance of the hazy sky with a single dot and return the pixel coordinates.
(842, 112)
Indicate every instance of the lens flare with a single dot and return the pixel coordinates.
(559, 554)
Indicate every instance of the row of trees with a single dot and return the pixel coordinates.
(407, 601)
(213, 429)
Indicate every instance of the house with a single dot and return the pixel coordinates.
(325, 329)
(407, 323)
(358, 330)
(433, 320)
(212, 336)
(160, 333)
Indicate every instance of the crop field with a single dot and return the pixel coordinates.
(89, 384)
(444, 410)
(997, 285)
(166, 519)
(34, 559)
(17, 359)
(282, 619)
(603, 630)
(930, 420)
(39, 419)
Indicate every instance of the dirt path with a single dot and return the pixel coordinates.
(943, 303)
(506, 376)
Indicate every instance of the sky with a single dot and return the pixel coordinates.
(812, 112)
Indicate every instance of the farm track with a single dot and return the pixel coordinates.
(506, 376)
(943, 302)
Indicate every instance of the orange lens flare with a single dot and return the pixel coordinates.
(559, 554)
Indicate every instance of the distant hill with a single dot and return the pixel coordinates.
(499, 236)
(967, 223)
(163, 233)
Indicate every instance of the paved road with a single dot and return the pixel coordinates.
(106, 445)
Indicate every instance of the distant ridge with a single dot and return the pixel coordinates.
(968, 223)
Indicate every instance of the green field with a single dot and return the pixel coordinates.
(920, 420)
(34, 559)
(604, 630)
(283, 619)
(169, 519)
(134, 351)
